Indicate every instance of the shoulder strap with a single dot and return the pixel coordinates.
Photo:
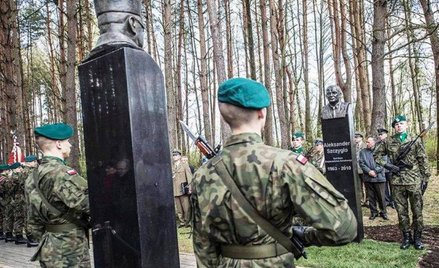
(49, 206)
(227, 179)
(67, 216)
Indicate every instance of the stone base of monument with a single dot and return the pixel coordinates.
(128, 161)
(341, 163)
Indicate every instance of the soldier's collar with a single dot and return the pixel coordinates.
(49, 157)
(243, 138)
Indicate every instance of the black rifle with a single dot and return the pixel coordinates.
(400, 159)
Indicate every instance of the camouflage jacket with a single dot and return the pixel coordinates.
(318, 160)
(9, 185)
(279, 188)
(66, 191)
(392, 147)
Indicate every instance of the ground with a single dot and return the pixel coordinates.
(391, 233)
(388, 231)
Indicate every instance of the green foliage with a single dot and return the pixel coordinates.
(430, 147)
(368, 253)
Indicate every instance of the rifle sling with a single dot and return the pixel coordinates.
(67, 216)
(271, 230)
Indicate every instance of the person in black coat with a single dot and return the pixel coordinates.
(374, 180)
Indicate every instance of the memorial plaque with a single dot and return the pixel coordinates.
(341, 162)
(128, 160)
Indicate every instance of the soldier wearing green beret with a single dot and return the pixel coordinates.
(408, 181)
(58, 202)
(30, 163)
(3, 170)
(274, 182)
(14, 214)
(297, 142)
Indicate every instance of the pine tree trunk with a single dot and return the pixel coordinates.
(378, 82)
(308, 130)
(70, 89)
(268, 129)
(432, 26)
(203, 74)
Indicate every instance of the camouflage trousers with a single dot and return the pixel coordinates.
(14, 217)
(2, 210)
(63, 250)
(403, 196)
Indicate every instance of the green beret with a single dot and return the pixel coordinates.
(398, 118)
(58, 131)
(15, 165)
(244, 93)
(298, 134)
(4, 167)
(30, 158)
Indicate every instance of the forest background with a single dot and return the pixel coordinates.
(383, 54)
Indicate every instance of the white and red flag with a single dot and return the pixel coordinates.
(16, 154)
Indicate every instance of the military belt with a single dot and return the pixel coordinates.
(61, 228)
(253, 252)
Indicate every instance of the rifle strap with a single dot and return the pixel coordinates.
(227, 179)
(67, 216)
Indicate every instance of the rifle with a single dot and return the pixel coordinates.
(400, 159)
(202, 144)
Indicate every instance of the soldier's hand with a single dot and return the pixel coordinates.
(372, 173)
(299, 233)
(424, 185)
(392, 168)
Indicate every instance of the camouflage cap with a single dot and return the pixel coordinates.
(358, 134)
(30, 158)
(58, 131)
(244, 93)
(318, 141)
(382, 130)
(298, 134)
(4, 167)
(15, 165)
(399, 118)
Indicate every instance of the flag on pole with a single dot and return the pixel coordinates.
(16, 154)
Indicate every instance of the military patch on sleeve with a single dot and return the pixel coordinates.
(72, 172)
(302, 159)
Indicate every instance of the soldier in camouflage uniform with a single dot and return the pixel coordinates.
(317, 156)
(297, 142)
(408, 181)
(273, 181)
(29, 165)
(14, 220)
(58, 199)
(3, 171)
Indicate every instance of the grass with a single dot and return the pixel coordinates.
(368, 253)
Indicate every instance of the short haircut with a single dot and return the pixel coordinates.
(44, 143)
(236, 116)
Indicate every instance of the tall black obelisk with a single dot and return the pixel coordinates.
(126, 144)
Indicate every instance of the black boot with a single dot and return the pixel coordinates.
(19, 239)
(373, 216)
(9, 237)
(406, 240)
(31, 242)
(418, 240)
(2, 235)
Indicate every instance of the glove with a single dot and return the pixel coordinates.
(424, 185)
(299, 233)
(392, 168)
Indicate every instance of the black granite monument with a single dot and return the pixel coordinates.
(341, 160)
(127, 149)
